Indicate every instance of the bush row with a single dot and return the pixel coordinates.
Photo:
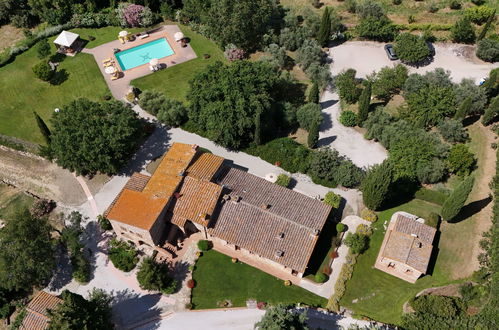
(346, 272)
(424, 26)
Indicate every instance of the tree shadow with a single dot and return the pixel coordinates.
(130, 307)
(57, 58)
(471, 209)
(179, 272)
(64, 272)
(468, 121)
(322, 248)
(401, 191)
(328, 103)
(327, 122)
(155, 145)
(434, 254)
(93, 236)
(59, 77)
(326, 141)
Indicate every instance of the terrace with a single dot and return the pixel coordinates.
(118, 78)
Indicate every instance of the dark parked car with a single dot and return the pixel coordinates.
(431, 48)
(390, 52)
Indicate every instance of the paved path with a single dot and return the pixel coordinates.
(346, 140)
(368, 56)
(242, 319)
(326, 290)
(87, 192)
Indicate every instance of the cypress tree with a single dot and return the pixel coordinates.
(325, 28)
(313, 135)
(313, 94)
(43, 128)
(491, 84)
(455, 202)
(375, 186)
(487, 26)
(258, 128)
(364, 102)
(491, 112)
(464, 109)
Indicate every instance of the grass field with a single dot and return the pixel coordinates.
(174, 81)
(380, 296)
(219, 279)
(23, 93)
(12, 200)
(102, 35)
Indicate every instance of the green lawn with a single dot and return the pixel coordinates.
(219, 279)
(102, 35)
(380, 296)
(174, 81)
(12, 200)
(23, 93)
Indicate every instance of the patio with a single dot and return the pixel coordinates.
(119, 87)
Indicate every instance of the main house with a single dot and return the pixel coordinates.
(407, 247)
(191, 191)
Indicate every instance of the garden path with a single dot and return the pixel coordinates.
(326, 289)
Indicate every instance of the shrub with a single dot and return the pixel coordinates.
(123, 255)
(478, 2)
(283, 180)
(432, 220)
(455, 4)
(191, 284)
(348, 118)
(411, 49)
(308, 115)
(43, 71)
(463, 32)
(356, 242)
(461, 160)
(154, 276)
(232, 53)
(313, 136)
(309, 52)
(478, 15)
(396, 2)
(437, 305)
(492, 111)
(389, 81)
(313, 93)
(433, 7)
(321, 277)
(204, 245)
(376, 185)
(368, 215)
(363, 229)
(42, 207)
(340, 227)
(488, 50)
(104, 223)
(189, 306)
(43, 49)
(453, 131)
(332, 199)
(378, 29)
(328, 168)
(81, 268)
(347, 86)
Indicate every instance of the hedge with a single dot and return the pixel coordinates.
(424, 26)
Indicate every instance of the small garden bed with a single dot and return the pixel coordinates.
(219, 280)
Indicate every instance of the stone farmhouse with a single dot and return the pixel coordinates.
(191, 192)
(407, 247)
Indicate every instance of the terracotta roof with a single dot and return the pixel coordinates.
(282, 201)
(36, 312)
(269, 220)
(136, 182)
(196, 200)
(410, 242)
(171, 170)
(141, 201)
(205, 166)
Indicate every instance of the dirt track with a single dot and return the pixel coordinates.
(40, 177)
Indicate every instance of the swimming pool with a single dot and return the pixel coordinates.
(133, 57)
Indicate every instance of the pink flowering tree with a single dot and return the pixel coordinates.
(132, 14)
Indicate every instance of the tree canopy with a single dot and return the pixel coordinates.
(225, 101)
(154, 276)
(90, 137)
(76, 312)
(282, 317)
(375, 186)
(455, 202)
(26, 252)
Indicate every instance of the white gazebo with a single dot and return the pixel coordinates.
(65, 41)
(178, 36)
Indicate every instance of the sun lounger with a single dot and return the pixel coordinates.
(109, 64)
(142, 36)
(115, 77)
(107, 60)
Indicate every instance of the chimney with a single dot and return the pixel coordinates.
(235, 198)
(315, 232)
(279, 253)
(280, 236)
(414, 235)
(195, 146)
(181, 173)
(177, 195)
(265, 206)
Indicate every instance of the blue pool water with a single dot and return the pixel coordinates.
(142, 54)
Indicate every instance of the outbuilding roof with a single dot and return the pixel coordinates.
(66, 38)
(36, 311)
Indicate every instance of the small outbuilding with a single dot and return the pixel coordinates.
(66, 42)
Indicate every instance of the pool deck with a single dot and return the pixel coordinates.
(120, 87)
